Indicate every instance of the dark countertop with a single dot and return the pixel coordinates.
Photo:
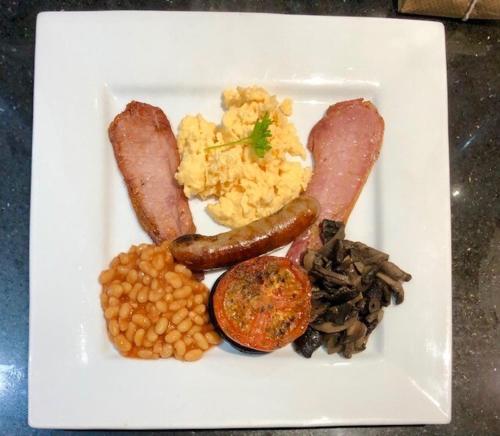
(473, 55)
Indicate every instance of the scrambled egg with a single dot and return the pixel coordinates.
(244, 186)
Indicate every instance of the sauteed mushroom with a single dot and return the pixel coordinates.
(309, 342)
(352, 283)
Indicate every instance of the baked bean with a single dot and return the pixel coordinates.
(132, 276)
(130, 333)
(212, 338)
(106, 276)
(182, 293)
(113, 301)
(168, 275)
(177, 305)
(135, 290)
(161, 306)
(173, 279)
(113, 327)
(147, 253)
(115, 290)
(151, 335)
(123, 270)
(198, 320)
(157, 295)
(146, 280)
(141, 247)
(157, 347)
(141, 321)
(139, 337)
(127, 287)
(201, 341)
(153, 272)
(182, 269)
(161, 326)
(172, 336)
(123, 323)
(169, 297)
(143, 294)
(124, 258)
(180, 347)
(192, 355)
(158, 262)
(124, 310)
(185, 325)
(147, 343)
(200, 309)
(145, 354)
(179, 315)
(193, 330)
(197, 286)
(151, 309)
(111, 312)
(198, 299)
(167, 350)
(154, 284)
(122, 344)
(104, 300)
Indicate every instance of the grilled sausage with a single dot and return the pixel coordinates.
(207, 252)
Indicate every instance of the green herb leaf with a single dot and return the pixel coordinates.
(258, 139)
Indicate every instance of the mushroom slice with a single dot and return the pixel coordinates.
(332, 343)
(348, 350)
(396, 287)
(308, 259)
(330, 327)
(309, 342)
(330, 229)
(356, 331)
(393, 271)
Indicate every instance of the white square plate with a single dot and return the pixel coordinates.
(88, 66)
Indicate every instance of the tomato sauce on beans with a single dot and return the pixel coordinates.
(155, 308)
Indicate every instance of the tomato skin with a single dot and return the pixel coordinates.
(261, 304)
(217, 328)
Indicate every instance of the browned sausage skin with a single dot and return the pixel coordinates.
(208, 252)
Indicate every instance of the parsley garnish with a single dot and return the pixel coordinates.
(258, 139)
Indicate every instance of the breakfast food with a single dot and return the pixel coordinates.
(352, 283)
(262, 304)
(154, 307)
(245, 186)
(207, 252)
(146, 152)
(345, 144)
(328, 294)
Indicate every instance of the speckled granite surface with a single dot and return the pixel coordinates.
(473, 52)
